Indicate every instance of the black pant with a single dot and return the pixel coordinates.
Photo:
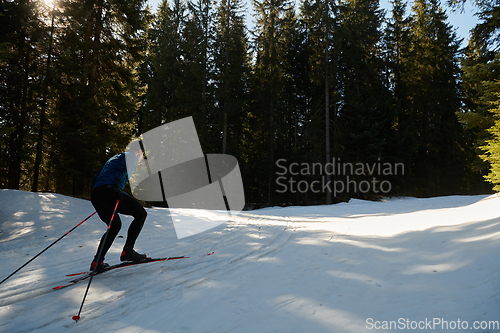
(103, 199)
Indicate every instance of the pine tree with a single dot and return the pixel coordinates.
(397, 43)
(197, 89)
(433, 93)
(46, 83)
(270, 71)
(100, 48)
(21, 59)
(480, 75)
(364, 113)
(486, 34)
(480, 69)
(319, 21)
(162, 70)
(232, 72)
(492, 147)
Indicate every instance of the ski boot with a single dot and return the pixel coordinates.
(101, 265)
(129, 254)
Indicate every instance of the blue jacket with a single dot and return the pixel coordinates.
(114, 172)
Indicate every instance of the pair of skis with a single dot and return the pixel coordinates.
(85, 275)
(90, 275)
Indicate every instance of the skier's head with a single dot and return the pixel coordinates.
(136, 148)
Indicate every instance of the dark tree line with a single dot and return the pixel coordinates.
(311, 84)
(69, 91)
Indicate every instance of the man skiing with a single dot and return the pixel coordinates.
(108, 188)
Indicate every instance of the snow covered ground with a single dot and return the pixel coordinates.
(400, 265)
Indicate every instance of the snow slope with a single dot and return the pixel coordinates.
(351, 267)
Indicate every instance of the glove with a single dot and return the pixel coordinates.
(118, 192)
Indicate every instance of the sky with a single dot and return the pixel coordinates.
(462, 22)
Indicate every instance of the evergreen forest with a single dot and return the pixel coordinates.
(389, 99)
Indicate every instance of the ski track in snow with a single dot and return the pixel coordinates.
(295, 269)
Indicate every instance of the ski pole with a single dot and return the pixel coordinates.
(77, 317)
(48, 247)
